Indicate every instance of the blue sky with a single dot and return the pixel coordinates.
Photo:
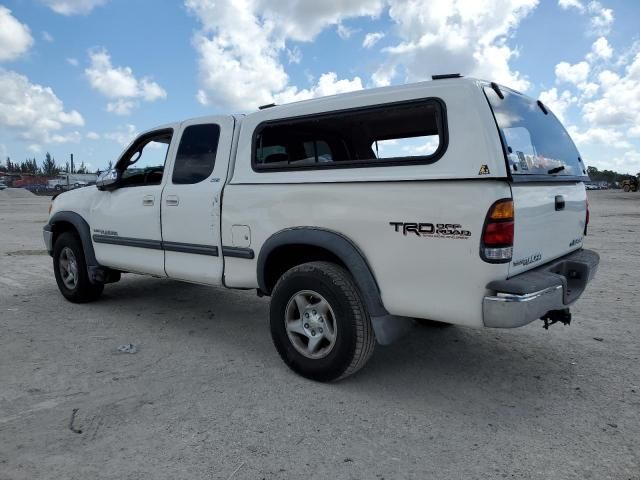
(84, 76)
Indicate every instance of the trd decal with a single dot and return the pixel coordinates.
(484, 170)
(431, 230)
(111, 233)
(529, 260)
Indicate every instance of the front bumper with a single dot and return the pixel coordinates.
(48, 238)
(526, 297)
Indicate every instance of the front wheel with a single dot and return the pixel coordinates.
(626, 188)
(319, 323)
(70, 269)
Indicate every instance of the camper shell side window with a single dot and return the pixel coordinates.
(401, 133)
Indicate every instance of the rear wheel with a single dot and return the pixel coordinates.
(626, 188)
(319, 324)
(70, 269)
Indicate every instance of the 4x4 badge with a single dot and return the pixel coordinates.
(484, 170)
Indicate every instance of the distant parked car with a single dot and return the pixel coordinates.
(2, 186)
(591, 186)
(36, 188)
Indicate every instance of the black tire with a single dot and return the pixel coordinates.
(626, 188)
(84, 291)
(354, 340)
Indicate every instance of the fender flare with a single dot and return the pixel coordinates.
(84, 232)
(343, 248)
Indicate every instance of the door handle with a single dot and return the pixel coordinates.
(148, 200)
(172, 200)
(559, 202)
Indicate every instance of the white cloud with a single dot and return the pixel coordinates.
(47, 37)
(240, 45)
(73, 62)
(34, 148)
(370, 39)
(383, 75)
(328, 84)
(634, 131)
(465, 36)
(34, 112)
(566, 4)
(93, 136)
(294, 55)
(575, 74)
(601, 18)
(610, 137)
(619, 103)
(600, 49)
(123, 135)
(609, 100)
(589, 89)
(628, 162)
(344, 32)
(558, 103)
(122, 106)
(73, 7)
(120, 84)
(71, 137)
(15, 37)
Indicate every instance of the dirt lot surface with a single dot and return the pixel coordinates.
(206, 395)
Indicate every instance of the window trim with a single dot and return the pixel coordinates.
(175, 158)
(441, 123)
(132, 148)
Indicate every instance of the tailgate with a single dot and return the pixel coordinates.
(549, 222)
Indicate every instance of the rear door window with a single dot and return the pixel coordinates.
(196, 155)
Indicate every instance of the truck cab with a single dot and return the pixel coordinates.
(455, 200)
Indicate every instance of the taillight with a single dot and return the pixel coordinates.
(586, 220)
(496, 245)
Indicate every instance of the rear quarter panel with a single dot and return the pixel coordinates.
(431, 277)
(435, 277)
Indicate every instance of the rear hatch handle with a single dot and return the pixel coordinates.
(559, 202)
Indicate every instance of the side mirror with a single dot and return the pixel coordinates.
(108, 180)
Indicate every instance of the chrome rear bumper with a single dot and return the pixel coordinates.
(526, 297)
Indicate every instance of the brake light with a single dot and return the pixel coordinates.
(497, 236)
(586, 220)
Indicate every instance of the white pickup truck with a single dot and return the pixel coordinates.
(454, 200)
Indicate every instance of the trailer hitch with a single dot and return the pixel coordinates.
(554, 316)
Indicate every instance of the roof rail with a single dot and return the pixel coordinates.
(269, 105)
(445, 75)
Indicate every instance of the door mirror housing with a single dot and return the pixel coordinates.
(109, 180)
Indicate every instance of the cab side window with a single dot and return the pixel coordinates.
(143, 164)
(196, 155)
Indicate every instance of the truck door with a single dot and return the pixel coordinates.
(191, 201)
(125, 222)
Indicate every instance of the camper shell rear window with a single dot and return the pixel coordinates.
(401, 133)
(536, 145)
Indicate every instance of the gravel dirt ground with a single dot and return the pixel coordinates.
(206, 395)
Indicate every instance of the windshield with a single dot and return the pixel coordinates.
(536, 143)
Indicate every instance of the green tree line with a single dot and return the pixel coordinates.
(605, 175)
(48, 167)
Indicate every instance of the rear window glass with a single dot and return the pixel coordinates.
(373, 136)
(536, 143)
